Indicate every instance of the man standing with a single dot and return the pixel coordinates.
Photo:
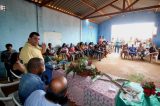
(5, 57)
(31, 48)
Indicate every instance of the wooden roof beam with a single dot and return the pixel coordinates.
(126, 11)
(116, 7)
(84, 2)
(128, 3)
(99, 9)
(45, 2)
(132, 4)
(157, 8)
(124, 3)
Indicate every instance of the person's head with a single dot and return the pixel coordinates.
(9, 47)
(71, 45)
(34, 38)
(58, 84)
(57, 90)
(14, 58)
(49, 45)
(63, 45)
(20, 49)
(140, 45)
(36, 66)
(154, 45)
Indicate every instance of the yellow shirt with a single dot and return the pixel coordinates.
(29, 51)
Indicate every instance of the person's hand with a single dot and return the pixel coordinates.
(43, 48)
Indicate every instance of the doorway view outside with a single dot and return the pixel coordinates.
(130, 32)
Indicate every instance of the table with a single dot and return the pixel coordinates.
(84, 92)
(144, 101)
(76, 86)
(101, 93)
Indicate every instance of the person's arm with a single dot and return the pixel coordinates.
(20, 67)
(2, 57)
(43, 48)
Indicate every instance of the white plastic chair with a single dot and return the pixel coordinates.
(19, 77)
(16, 99)
(7, 100)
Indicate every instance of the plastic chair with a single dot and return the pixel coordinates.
(7, 100)
(16, 99)
(18, 77)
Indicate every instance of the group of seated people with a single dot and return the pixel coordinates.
(73, 52)
(29, 64)
(34, 92)
(139, 51)
(36, 88)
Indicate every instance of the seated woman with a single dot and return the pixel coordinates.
(86, 50)
(124, 50)
(65, 50)
(79, 50)
(141, 51)
(50, 50)
(153, 52)
(72, 51)
(16, 66)
(132, 51)
(98, 52)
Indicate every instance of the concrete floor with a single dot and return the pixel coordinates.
(114, 65)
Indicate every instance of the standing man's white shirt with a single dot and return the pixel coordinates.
(37, 98)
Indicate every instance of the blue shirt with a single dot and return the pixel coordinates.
(37, 98)
(29, 83)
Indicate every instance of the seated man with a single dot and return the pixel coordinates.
(55, 95)
(153, 52)
(132, 51)
(141, 51)
(31, 81)
(124, 50)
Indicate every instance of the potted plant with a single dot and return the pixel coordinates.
(82, 67)
(148, 88)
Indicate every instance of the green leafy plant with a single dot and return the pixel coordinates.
(82, 67)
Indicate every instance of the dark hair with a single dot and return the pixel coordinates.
(63, 45)
(8, 45)
(33, 33)
(49, 44)
(20, 49)
(34, 63)
(14, 58)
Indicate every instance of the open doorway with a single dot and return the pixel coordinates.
(135, 31)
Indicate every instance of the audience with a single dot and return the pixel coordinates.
(16, 66)
(54, 96)
(50, 50)
(5, 57)
(153, 52)
(132, 51)
(100, 40)
(124, 51)
(141, 51)
(32, 81)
